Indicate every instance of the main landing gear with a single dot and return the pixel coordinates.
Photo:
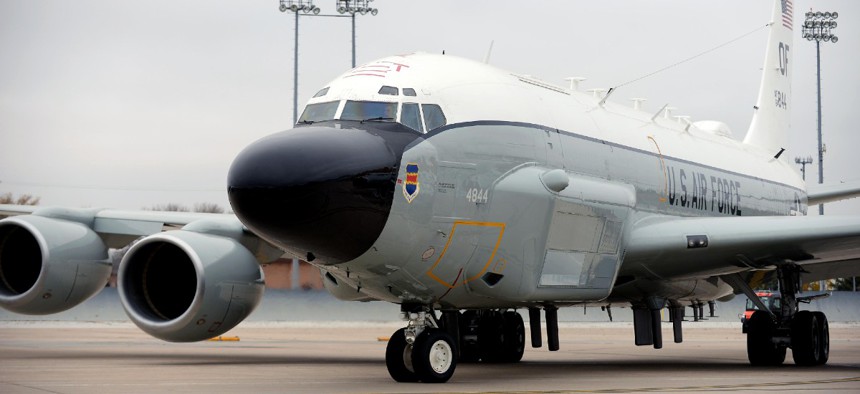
(428, 349)
(805, 332)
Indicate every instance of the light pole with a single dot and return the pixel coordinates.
(352, 7)
(818, 27)
(307, 8)
(803, 161)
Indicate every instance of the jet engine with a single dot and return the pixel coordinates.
(49, 265)
(184, 286)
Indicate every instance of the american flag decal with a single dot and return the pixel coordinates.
(787, 13)
(411, 187)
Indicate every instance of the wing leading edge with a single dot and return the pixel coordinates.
(820, 194)
(671, 248)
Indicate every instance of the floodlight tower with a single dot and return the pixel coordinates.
(819, 27)
(803, 161)
(352, 7)
(307, 8)
(297, 6)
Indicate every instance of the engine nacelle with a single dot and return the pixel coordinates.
(184, 286)
(49, 265)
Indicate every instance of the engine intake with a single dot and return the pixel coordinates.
(184, 286)
(49, 265)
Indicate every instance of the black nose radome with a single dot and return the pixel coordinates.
(320, 192)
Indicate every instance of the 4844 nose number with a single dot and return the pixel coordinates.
(477, 196)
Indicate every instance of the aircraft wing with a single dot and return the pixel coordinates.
(673, 248)
(118, 228)
(820, 194)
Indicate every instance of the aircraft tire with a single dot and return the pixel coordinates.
(434, 356)
(824, 340)
(514, 339)
(806, 335)
(491, 337)
(760, 347)
(469, 352)
(398, 358)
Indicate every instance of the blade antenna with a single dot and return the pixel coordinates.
(489, 52)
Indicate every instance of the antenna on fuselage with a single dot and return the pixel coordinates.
(574, 82)
(659, 111)
(596, 92)
(683, 119)
(603, 101)
(690, 59)
(489, 52)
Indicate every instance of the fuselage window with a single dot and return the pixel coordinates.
(409, 92)
(410, 116)
(319, 112)
(389, 90)
(433, 116)
(366, 110)
(322, 92)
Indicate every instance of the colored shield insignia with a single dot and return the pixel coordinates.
(411, 186)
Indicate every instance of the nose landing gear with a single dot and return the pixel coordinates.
(428, 350)
(421, 351)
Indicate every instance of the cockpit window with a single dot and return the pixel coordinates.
(319, 112)
(433, 116)
(409, 92)
(322, 92)
(411, 117)
(366, 110)
(389, 90)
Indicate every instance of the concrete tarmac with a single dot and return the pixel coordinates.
(297, 357)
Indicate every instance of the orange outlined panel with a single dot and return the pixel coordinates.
(464, 251)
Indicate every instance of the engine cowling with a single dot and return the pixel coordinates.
(49, 265)
(184, 286)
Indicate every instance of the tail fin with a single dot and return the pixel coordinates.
(770, 122)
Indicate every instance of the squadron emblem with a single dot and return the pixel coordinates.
(411, 186)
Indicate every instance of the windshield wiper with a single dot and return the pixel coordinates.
(306, 122)
(379, 119)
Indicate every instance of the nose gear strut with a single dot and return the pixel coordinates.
(421, 351)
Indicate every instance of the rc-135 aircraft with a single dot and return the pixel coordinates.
(463, 192)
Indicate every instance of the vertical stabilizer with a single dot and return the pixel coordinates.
(770, 122)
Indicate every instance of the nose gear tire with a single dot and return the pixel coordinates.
(434, 356)
(398, 358)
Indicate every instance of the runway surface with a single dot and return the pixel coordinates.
(45, 357)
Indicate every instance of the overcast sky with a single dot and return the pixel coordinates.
(130, 104)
